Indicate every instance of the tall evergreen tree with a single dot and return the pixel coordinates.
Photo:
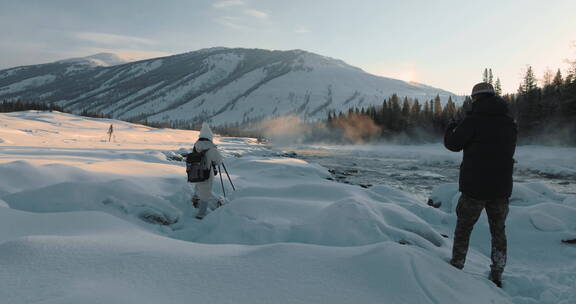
(530, 107)
(449, 111)
(557, 81)
(416, 108)
(568, 79)
(437, 106)
(427, 110)
(405, 108)
(572, 71)
(465, 108)
(395, 113)
(498, 87)
(547, 78)
(529, 82)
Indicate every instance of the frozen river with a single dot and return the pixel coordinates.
(418, 168)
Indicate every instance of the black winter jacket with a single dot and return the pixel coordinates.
(488, 137)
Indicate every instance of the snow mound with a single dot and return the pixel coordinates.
(119, 197)
(570, 201)
(352, 223)
(545, 222)
(15, 224)
(24, 175)
(3, 204)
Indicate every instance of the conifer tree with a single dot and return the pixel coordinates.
(529, 82)
(427, 110)
(449, 110)
(529, 104)
(416, 108)
(568, 79)
(394, 113)
(547, 78)
(465, 108)
(498, 87)
(557, 81)
(437, 106)
(406, 108)
(571, 71)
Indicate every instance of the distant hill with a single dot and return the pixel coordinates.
(221, 85)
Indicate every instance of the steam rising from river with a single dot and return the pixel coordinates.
(356, 129)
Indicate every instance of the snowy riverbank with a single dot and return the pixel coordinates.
(83, 220)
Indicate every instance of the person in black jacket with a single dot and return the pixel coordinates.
(488, 138)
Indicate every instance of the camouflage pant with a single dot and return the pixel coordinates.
(468, 211)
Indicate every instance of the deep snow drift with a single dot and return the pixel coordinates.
(83, 220)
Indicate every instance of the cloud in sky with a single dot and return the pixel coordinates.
(256, 13)
(232, 22)
(228, 3)
(238, 16)
(301, 30)
(112, 39)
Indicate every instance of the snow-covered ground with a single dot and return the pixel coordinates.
(84, 220)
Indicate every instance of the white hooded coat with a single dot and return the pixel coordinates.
(213, 157)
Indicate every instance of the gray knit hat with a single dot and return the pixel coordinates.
(483, 87)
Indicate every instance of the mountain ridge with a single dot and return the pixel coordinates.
(100, 59)
(220, 85)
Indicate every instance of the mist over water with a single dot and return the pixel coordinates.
(356, 129)
(285, 130)
(290, 130)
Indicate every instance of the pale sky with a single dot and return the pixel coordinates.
(446, 44)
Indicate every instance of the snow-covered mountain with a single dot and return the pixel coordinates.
(218, 84)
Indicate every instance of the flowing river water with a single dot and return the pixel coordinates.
(418, 169)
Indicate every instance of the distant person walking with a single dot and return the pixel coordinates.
(488, 137)
(211, 157)
(110, 132)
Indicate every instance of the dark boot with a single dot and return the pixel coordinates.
(195, 201)
(457, 264)
(496, 277)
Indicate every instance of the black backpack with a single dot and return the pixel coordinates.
(196, 167)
